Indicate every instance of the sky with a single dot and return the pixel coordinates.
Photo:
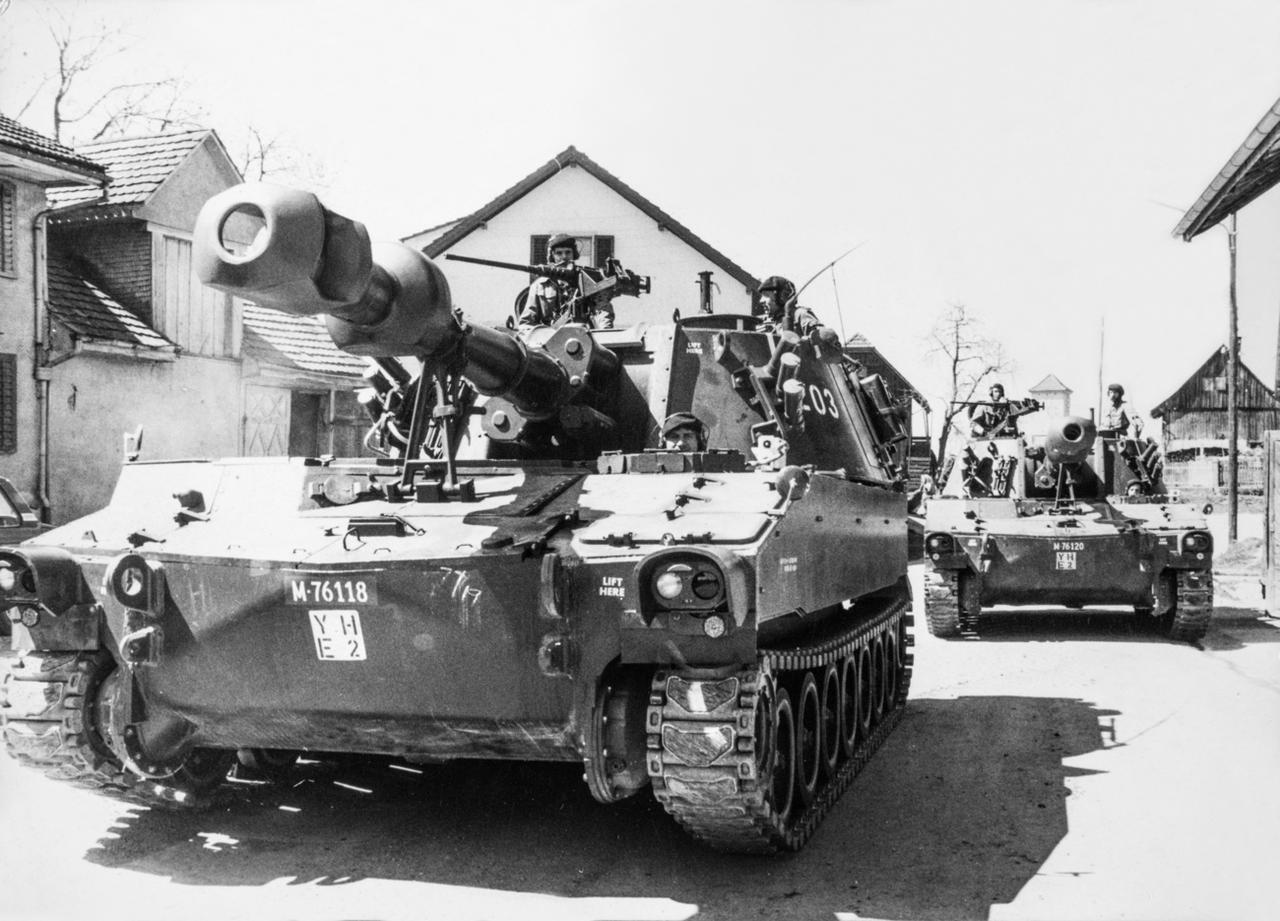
(1026, 160)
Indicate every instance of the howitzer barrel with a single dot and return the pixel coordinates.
(282, 248)
(1070, 440)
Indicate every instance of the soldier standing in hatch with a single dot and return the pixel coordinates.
(777, 294)
(999, 417)
(1115, 420)
(550, 299)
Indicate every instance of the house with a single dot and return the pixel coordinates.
(1197, 425)
(571, 193)
(30, 166)
(1197, 411)
(859, 348)
(135, 341)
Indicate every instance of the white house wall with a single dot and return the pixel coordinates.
(1257, 278)
(574, 201)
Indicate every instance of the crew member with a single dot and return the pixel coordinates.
(684, 432)
(551, 299)
(999, 417)
(1115, 421)
(776, 295)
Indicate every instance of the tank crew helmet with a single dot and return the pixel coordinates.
(782, 290)
(560, 241)
(997, 386)
(1116, 388)
(672, 428)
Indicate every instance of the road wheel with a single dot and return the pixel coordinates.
(877, 680)
(849, 708)
(866, 694)
(831, 706)
(808, 719)
(782, 773)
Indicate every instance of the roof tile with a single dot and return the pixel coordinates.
(303, 342)
(137, 167)
(15, 134)
(91, 313)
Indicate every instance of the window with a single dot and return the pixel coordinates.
(202, 320)
(8, 229)
(8, 404)
(593, 249)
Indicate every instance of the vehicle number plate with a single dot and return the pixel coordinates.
(338, 635)
(304, 591)
(1065, 559)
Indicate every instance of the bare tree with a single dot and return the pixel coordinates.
(82, 107)
(972, 358)
(259, 155)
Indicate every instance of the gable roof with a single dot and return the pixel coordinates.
(1252, 394)
(1051, 384)
(859, 348)
(138, 166)
(1252, 170)
(279, 338)
(20, 139)
(572, 157)
(88, 312)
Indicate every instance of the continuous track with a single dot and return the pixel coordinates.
(947, 610)
(1194, 606)
(47, 703)
(724, 765)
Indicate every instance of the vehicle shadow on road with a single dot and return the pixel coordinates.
(1230, 628)
(956, 812)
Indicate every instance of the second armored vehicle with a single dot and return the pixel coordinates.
(1081, 520)
(523, 576)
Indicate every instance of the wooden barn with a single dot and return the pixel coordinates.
(1196, 413)
(1196, 426)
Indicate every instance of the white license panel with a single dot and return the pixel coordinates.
(338, 635)
(311, 591)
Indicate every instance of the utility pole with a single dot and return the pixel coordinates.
(1233, 396)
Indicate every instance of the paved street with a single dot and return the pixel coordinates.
(1064, 767)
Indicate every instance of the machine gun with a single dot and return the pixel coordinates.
(593, 289)
(1011, 409)
(385, 300)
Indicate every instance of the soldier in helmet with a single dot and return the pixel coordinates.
(998, 418)
(777, 298)
(550, 299)
(1115, 420)
(684, 432)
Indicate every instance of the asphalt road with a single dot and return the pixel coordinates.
(1065, 766)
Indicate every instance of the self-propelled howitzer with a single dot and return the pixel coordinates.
(728, 625)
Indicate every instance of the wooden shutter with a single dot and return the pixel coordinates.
(538, 248)
(8, 256)
(8, 404)
(604, 249)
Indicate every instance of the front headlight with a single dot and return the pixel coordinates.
(939, 543)
(1197, 542)
(8, 579)
(694, 585)
(670, 584)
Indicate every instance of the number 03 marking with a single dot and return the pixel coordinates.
(823, 401)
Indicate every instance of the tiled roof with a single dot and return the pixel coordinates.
(275, 337)
(574, 157)
(1252, 170)
(90, 313)
(137, 167)
(22, 138)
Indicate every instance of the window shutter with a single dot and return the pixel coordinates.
(538, 249)
(604, 249)
(7, 229)
(8, 403)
